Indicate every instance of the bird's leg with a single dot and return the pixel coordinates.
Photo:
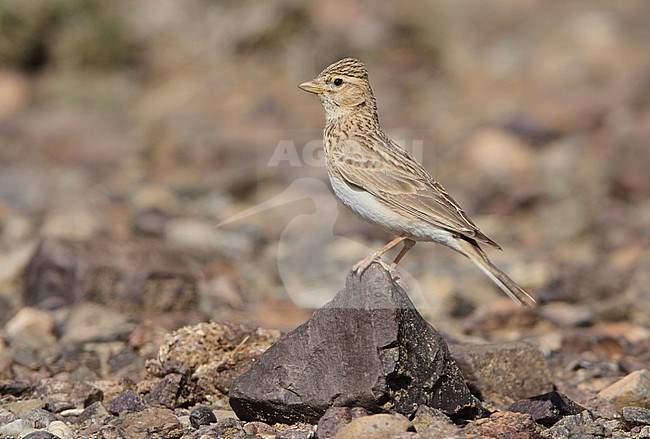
(361, 266)
(408, 245)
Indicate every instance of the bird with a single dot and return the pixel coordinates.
(383, 184)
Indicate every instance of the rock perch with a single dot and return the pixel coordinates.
(369, 347)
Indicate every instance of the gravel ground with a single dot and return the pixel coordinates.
(159, 170)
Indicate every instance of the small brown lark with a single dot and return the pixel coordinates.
(384, 184)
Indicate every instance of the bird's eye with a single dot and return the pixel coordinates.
(338, 81)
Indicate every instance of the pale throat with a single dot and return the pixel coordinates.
(362, 117)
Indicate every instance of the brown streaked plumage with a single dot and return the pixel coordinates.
(384, 184)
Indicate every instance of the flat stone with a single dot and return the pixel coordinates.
(149, 423)
(129, 276)
(368, 347)
(20, 406)
(381, 426)
(503, 373)
(636, 415)
(59, 394)
(41, 434)
(631, 390)
(548, 408)
(89, 321)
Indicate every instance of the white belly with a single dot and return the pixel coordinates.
(369, 208)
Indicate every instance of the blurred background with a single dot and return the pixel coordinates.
(155, 121)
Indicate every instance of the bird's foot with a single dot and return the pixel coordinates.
(360, 267)
(394, 274)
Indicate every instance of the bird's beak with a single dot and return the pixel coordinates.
(311, 87)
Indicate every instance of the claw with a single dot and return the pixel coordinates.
(360, 267)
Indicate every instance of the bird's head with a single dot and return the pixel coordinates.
(342, 87)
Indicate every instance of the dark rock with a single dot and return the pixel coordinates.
(41, 435)
(60, 394)
(332, 421)
(202, 415)
(130, 276)
(548, 408)
(166, 391)
(503, 372)
(295, 433)
(14, 387)
(504, 425)
(368, 347)
(126, 402)
(636, 415)
(581, 426)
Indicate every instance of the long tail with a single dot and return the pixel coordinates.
(476, 254)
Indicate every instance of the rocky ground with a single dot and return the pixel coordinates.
(165, 217)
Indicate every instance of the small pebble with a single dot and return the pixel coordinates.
(202, 415)
(72, 412)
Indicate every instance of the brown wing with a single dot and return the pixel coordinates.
(387, 171)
